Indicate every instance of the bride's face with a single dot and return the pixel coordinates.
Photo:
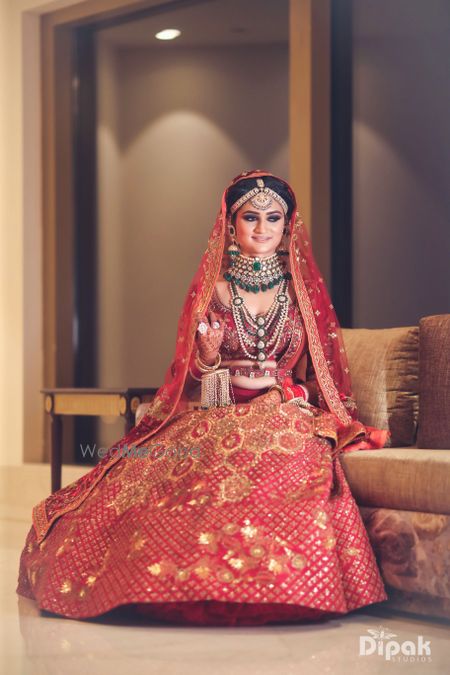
(259, 231)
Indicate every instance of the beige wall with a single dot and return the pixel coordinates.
(401, 161)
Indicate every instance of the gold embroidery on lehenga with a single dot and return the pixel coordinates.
(154, 569)
(202, 571)
(321, 520)
(249, 531)
(192, 491)
(234, 488)
(224, 575)
(237, 563)
(32, 574)
(181, 468)
(90, 576)
(132, 492)
(235, 553)
(298, 562)
(137, 543)
(65, 587)
(68, 541)
(205, 538)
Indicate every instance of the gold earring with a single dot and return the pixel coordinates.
(233, 248)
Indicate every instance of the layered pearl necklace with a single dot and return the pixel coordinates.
(254, 334)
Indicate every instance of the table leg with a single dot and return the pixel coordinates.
(56, 454)
(129, 421)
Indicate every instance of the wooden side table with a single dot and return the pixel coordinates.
(66, 401)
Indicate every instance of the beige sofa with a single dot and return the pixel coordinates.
(401, 382)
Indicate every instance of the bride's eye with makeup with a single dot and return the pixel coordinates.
(250, 218)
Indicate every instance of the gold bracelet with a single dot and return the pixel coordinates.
(199, 379)
(280, 389)
(204, 367)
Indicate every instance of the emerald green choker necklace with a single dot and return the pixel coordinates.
(255, 274)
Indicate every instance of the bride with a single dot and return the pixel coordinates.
(255, 522)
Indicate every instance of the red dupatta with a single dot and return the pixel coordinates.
(325, 344)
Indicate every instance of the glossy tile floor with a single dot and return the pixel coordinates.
(35, 643)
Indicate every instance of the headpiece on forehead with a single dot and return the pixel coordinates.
(325, 346)
(260, 197)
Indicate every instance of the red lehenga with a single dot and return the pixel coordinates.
(243, 515)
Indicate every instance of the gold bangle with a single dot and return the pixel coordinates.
(280, 389)
(204, 367)
(199, 379)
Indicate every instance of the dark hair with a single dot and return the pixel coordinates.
(245, 184)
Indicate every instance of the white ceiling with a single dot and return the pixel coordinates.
(217, 22)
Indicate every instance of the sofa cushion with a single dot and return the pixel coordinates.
(410, 479)
(434, 382)
(385, 372)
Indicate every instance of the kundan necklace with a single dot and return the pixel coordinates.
(253, 273)
(253, 330)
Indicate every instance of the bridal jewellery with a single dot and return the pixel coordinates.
(255, 274)
(261, 198)
(253, 330)
(203, 327)
(216, 384)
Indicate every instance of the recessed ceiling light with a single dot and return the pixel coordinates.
(168, 34)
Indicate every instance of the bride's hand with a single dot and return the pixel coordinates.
(209, 335)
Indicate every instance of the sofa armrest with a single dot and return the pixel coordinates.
(434, 382)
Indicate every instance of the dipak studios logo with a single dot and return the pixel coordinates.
(380, 641)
